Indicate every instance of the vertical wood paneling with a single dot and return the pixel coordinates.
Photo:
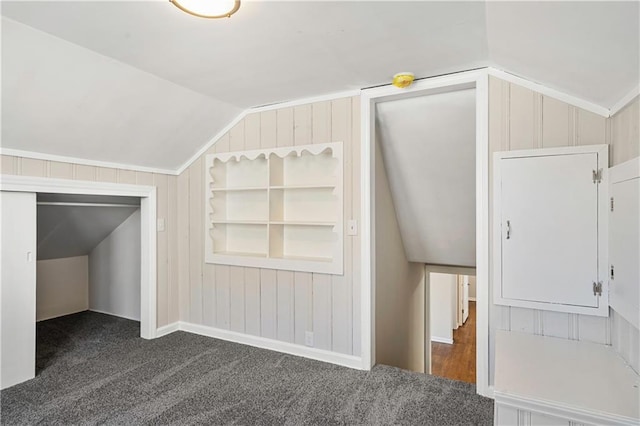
(162, 192)
(209, 288)
(625, 133)
(7, 165)
(285, 306)
(341, 309)
(321, 120)
(252, 301)
(32, 167)
(126, 176)
(268, 304)
(591, 128)
(252, 132)
(521, 118)
(593, 329)
(303, 120)
(303, 310)
(555, 324)
(196, 214)
(172, 243)
(223, 285)
(184, 255)
(81, 172)
(236, 299)
(322, 326)
(144, 178)
(104, 174)
(522, 320)
(555, 123)
(60, 170)
(284, 130)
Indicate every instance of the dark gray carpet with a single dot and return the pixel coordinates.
(94, 369)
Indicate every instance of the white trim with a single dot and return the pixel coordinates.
(624, 101)
(98, 311)
(472, 299)
(148, 205)
(564, 411)
(624, 171)
(82, 161)
(167, 329)
(468, 79)
(448, 341)
(274, 345)
(537, 87)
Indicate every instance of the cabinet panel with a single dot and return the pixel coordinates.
(624, 239)
(549, 226)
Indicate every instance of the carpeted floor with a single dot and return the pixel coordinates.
(94, 369)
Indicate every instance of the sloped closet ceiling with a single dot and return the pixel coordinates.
(143, 83)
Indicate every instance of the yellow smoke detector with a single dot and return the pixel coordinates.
(403, 79)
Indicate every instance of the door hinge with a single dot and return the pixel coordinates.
(612, 272)
(597, 288)
(611, 203)
(597, 175)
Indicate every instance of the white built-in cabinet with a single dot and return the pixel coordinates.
(550, 229)
(279, 208)
(624, 240)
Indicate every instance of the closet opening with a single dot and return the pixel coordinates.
(424, 219)
(88, 272)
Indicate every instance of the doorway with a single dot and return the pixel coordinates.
(20, 243)
(404, 270)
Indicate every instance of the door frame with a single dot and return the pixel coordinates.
(478, 79)
(148, 207)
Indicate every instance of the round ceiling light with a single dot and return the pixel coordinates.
(208, 8)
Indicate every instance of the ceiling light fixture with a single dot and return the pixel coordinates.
(211, 9)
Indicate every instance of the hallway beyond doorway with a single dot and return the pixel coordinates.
(457, 361)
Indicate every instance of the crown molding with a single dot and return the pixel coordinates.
(626, 100)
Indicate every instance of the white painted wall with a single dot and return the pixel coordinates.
(114, 271)
(428, 144)
(399, 288)
(443, 303)
(62, 287)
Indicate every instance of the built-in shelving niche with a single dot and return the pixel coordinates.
(279, 208)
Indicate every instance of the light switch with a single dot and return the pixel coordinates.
(160, 225)
(352, 227)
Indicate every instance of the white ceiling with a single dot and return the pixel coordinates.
(428, 147)
(144, 83)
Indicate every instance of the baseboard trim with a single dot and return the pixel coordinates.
(114, 315)
(350, 361)
(167, 329)
(442, 340)
(61, 315)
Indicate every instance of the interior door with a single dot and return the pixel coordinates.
(18, 288)
(550, 229)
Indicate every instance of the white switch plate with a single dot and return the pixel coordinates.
(160, 225)
(352, 227)
(308, 338)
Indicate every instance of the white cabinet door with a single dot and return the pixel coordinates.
(18, 288)
(624, 240)
(549, 229)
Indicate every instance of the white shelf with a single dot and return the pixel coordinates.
(277, 208)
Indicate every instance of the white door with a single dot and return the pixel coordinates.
(18, 288)
(465, 298)
(550, 229)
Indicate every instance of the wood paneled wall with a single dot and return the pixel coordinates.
(520, 118)
(276, 304)
(166, 186)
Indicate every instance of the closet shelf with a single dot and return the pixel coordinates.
(242, 254)
(304, 258)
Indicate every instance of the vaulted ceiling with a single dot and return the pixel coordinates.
(145, 84)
